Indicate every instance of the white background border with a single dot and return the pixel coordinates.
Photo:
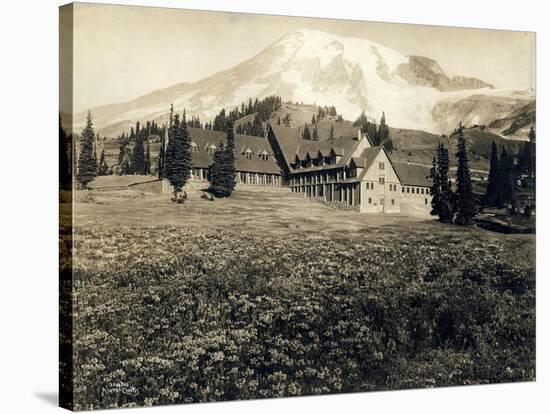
(28, 234)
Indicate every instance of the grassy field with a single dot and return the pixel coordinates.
(268, 295)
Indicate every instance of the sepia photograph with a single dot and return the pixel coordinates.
(257, 206)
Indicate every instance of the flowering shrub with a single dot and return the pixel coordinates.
(163, 315)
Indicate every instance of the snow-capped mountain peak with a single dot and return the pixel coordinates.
(353, 74)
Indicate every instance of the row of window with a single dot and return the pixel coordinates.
(308, 162)
(415, 190)
(248, 153)
(381, 181)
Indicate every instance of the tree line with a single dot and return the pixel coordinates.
(175, 159)
(505, 170)
(460, 206)
(261, 109)
(89, 166)
(450, 206)
(378, 136)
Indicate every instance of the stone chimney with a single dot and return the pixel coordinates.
(359, 134)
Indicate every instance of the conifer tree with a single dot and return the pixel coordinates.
(306, 134)
(87, 166)
(465, 203)
(446, 208)
(505, 179)
(102, 168)
(147, 161)
(222, 170)
(125, 166)
(315, 135)
(162, 154)
(138, 154)
(64, 161)
(178, 156)
(331, 133)
(383, 137)
(492, 180)
(435, 190)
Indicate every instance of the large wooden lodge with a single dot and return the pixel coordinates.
(349, 171)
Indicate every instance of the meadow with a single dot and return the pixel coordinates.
(268, 295)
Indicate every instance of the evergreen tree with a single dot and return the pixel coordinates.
(178, 155)
(465, 202)
(222, 170)
(446, 209)
(162, 154)
(492, 180)
(435, 190)
(505, 179)
(125, 166)
(315, 135)
(147, 161)
(64, 161)
(103, 168)
(138, 154)
(278, 120)
(87, 166)
(331, 133)
(306, 134)
(383, 137)
(286, 120)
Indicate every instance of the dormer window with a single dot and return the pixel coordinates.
(264, 155)
(210, 149)
(194, 147)
(248, 154)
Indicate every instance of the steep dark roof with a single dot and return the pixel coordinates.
(202, 159)
(292, 145)
(412, 174)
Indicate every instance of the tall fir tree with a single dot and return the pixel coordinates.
(138, 154)
(87, 166)
(505, 179)
(178, 155)
(65, 179)
(222, 170)
(446, 209)
(492, 180)
(383, 137)
(315, 135)
(102, 168)
(306, 134)
(147, 161)
(435, 190)
(331, 132)
(465, 209)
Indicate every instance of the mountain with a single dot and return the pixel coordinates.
(353, 74)
(518, 123)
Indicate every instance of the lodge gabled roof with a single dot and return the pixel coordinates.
(257, 145)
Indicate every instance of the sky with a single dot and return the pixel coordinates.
(122, 52)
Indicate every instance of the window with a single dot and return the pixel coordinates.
(381, 180)
(194, 147)
(211, 149)
(370, 200)
(408, 189)
(417, 190)
(425, 201)
(380, 165)
(402, 189)
(392, 202)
